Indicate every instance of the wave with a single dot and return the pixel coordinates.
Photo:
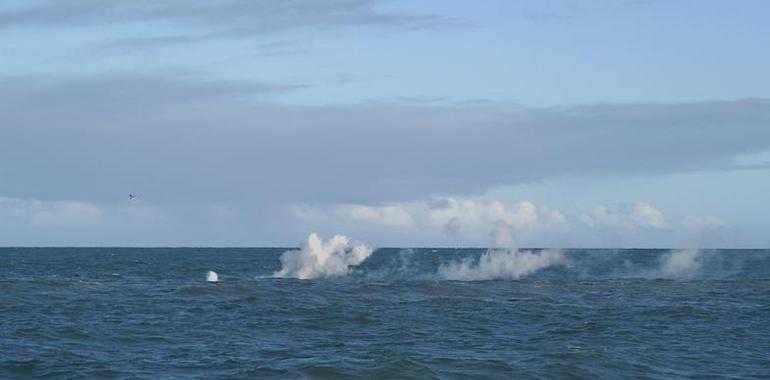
(319, 258)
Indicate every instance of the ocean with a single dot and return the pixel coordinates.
(148, 313)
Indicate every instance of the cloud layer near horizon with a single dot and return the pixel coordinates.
(438, 221)
(469, 221)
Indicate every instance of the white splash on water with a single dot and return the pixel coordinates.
(319, 258)
(509, 264)
(679, 264)
(212, 276)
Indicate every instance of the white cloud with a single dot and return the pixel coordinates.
(474, 213)
(483, 222)
(639, 215)
(647, 216)
(447, 213)
(556, 217)
(451, 216)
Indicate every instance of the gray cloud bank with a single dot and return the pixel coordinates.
(172, 139)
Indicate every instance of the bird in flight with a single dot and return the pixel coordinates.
(131, 197)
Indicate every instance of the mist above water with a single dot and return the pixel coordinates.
(495, 264)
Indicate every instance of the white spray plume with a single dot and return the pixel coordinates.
(681, 263)
(507, 264)
(319, 258)
(212, 276)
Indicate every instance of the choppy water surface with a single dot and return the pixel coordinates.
(149, 313)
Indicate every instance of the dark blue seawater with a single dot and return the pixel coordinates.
(148, 313)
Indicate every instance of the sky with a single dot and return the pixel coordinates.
(556, 123)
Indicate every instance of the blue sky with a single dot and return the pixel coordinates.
(534, 123)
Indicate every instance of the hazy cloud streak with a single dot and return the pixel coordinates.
(212, 19)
